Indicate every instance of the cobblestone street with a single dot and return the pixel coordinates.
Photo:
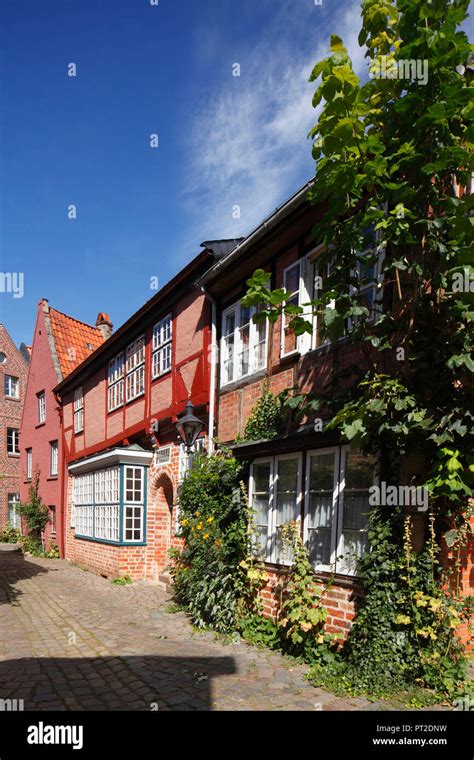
(70, 640)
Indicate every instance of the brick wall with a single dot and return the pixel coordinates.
(11, 412)
(340, 601)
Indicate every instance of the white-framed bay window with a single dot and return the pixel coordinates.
(243, 343)
(135, 368)
(78, 410)
(333, 502)
(109, 502)
(161, 359)
(14, 516)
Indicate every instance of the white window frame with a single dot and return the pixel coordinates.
(162, 347)
(13, 504)
(135, 369)
(15, 439)
(52, 511)
(378, 276)
(11, 387)
(53, 457)
(115, 382)
(133, 504)
(340, 566)
(41, 407)
(29, 463)
(271, 553)
(165, 452)
(309, 269)
(185, 462)
(336, 450)
(236, 309)
(78, 410)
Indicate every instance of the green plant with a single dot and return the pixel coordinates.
(389, 153)
(207, 574)
(265, 418)
(10, 535)
(33, 546)
(35, 512)
(123, 580)
(302, 615)
(53, 552)
(260, 631)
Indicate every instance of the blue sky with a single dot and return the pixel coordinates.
(141, 212)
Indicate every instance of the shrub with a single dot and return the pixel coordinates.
(10, 535)
(207, 573)
(35, 512)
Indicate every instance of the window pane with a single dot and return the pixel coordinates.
(321, 509)
(286, 503)
(260, 507)
(292, 279)
(359, 476)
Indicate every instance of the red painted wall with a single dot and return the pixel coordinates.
(42, 376)
(165, 398)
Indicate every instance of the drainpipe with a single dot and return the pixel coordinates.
(212, 384)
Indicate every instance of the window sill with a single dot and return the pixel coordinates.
(40, 425)
(243, 381)
(163, 374)
(290, 358)
(118, 544)
(52, 478)
(12, 398)
(13, 456)
(79, 432)
(135, 398)
(348, 581)
(115, 409)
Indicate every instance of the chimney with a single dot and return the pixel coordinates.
(104, 324)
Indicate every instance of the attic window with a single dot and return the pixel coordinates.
(89, 346)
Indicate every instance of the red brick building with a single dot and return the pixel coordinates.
(13, 374)
(60, 344)
(123, 461)
(308, 474)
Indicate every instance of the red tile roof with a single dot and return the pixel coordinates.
(74, 340)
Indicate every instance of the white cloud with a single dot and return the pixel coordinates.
(248, 145)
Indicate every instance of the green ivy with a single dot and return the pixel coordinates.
(265, 419)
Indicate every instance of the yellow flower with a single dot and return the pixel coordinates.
(184, 522)
(197, 514)
(199, 526)
(206, 535)
(210, 520)
(402, 620)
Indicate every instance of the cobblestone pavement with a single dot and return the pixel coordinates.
(70, 640)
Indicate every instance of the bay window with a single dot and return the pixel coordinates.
(243, 343)
(109, 502)
(334, 504)
(161, 348)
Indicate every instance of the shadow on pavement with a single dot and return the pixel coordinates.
(111, 683)
(13, 568)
